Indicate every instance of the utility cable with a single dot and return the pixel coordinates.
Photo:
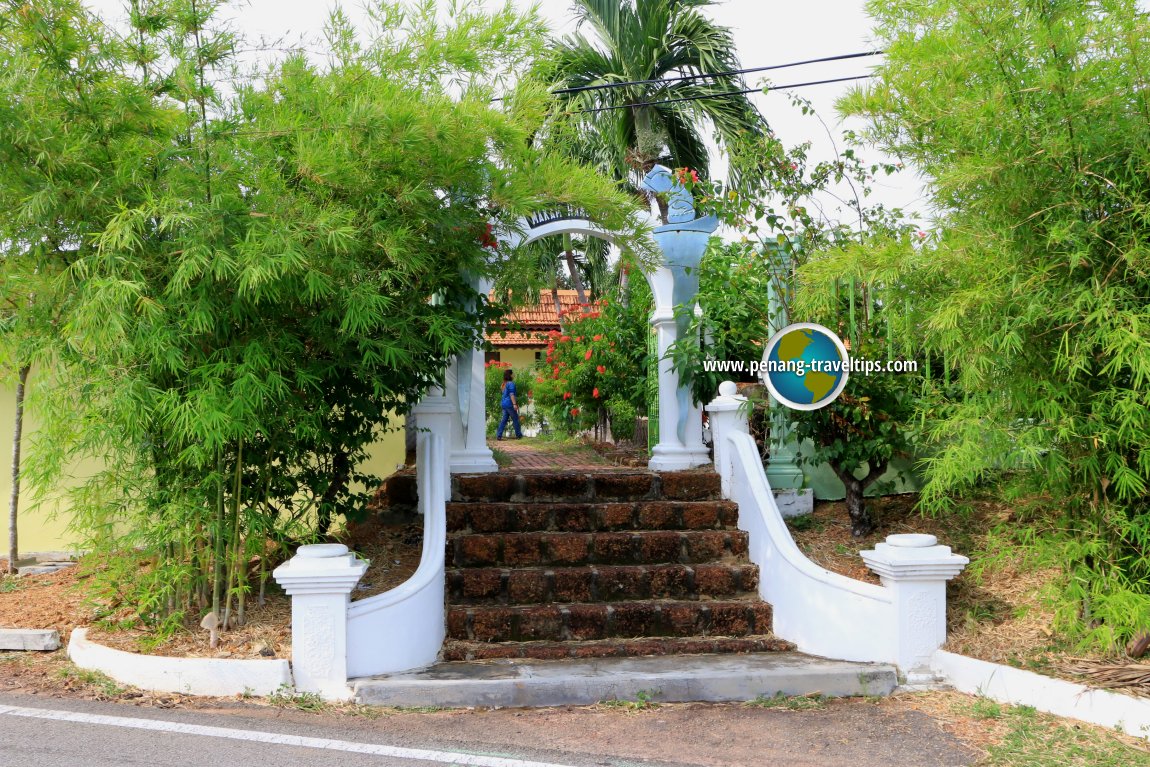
(603, 86)
(724, 94)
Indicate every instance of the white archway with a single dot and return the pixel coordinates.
(675, 451)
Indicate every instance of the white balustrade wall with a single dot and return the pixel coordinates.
(403, 628)
(335, 639)
(902, 621)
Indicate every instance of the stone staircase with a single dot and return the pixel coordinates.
(590, 565)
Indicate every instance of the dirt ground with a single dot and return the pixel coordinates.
(58, 601)
(938, 729)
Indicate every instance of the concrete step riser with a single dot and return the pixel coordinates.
(590, 518)
(607, 583)
(568, 549)
(715, 679)
(581, 622)
(579, 487)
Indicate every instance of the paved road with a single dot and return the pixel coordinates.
(41, 732)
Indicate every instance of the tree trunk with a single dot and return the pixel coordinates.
(861, 522)
(14, 500)
(558, 305)
(576, 278)
(340, 476)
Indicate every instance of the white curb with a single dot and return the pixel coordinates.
(1006, 684)
(192, 676)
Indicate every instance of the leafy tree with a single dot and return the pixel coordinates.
(647, 42)
(1031, 123)
(252, 278)
(868, 424)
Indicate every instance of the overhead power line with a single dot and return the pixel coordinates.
(661, 80)
(723, 94)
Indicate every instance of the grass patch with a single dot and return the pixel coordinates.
(805, 522)
(643, 702)
(10, 583)
(288, 697)
(501, 457)
(810, 702)
(102, 683)
(1032, 739)
(558, 445)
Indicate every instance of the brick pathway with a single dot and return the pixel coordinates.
(530, 454)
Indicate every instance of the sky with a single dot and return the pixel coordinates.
(766, 32)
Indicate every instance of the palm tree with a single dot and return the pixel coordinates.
(648, 43)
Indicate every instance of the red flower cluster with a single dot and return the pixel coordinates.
(487, 238)
(686, 174)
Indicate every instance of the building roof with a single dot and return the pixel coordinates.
(527, 326)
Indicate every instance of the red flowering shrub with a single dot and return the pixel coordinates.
(585, 370)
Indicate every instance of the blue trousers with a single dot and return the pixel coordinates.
(509, 413)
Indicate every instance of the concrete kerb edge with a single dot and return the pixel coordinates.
(189, 676)
(30, 640)
(1015, 686)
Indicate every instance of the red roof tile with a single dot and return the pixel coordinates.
(527, 326)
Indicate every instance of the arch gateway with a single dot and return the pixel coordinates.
(674, 283)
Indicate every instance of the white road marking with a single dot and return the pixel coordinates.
(274, 738)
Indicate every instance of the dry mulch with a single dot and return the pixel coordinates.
(58, 601)
(1124, 676)
(53, 601)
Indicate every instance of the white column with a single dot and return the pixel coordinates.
(435, 414)
(672, 454)
(319, 579)
(728, 416)
(915, 568)
(694, 430)
(469, 451)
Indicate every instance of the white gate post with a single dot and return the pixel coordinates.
(728, 416)
(319, 579)
(469, 451)
(915, 568)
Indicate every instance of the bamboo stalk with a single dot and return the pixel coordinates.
(218, 535)
(236, 550)
(851, 316)
(14, 498)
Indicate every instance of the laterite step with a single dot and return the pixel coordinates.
(620, 548)
(463, 650)
(596, 620)
(599, 565)
(599, 583)
(527, 517)
(569, 487)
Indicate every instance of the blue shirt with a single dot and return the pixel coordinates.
(508, 391)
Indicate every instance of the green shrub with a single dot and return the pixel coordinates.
(622, 415)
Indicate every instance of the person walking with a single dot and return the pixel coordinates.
(510, 406)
